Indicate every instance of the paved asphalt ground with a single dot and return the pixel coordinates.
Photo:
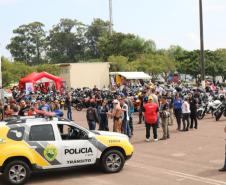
(187, 158)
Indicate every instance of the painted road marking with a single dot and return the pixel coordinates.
(178, 174)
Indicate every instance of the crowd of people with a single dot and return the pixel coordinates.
(155, 110)
(157, 107)
(31, 104)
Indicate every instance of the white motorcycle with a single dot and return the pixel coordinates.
(213, 106)
(208, 108)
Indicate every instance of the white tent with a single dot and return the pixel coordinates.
(133, 75)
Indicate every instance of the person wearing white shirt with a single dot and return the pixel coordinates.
(125, 120)
(186, 114)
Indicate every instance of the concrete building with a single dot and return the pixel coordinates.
(78, 75)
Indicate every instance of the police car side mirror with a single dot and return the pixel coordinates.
(89, 136)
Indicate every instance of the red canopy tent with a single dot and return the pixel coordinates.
(40, 77)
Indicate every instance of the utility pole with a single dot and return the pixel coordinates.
(1, 89)
(110, 17)
(202, 58)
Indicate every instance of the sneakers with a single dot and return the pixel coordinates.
(222, 170)
(163, 138)
(148, 140)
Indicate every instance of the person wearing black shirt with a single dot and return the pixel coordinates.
(103, 115)
(68, 106)
(23, 108)
(193, 115)
(141, 98)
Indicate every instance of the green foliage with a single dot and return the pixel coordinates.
(29, 43)
(72, 41)
(118, 63)
(127, 45)
(221, 62)
(97, 29)
(154, 64)
(13, 72)
(66, 42)
(50, 68)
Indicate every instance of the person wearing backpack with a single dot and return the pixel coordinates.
(92, 116)
(164, 114)
(151, 117)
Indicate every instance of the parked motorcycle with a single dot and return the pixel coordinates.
(220, 111)
(202, 110)
(208, 108)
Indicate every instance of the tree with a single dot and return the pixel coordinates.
(212, 63)
(66, 42)
(118, 63)
(127, 45)
(175, 52)
(13, 72)
(187, 62)
(29, 43)
(97, 29)
(50, 68)
(154, 64)
(221, 63)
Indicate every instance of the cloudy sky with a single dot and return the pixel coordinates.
(167, 22)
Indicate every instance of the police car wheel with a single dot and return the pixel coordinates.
(113, 161)
(16, 173)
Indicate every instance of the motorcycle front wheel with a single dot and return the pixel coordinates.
(218, 115)
(78, 107)
(200, 115)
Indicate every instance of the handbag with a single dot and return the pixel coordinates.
(164, 114)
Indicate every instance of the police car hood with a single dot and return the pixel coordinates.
(113, 134)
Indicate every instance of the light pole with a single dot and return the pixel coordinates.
(1, 89)
(202, 58)
(110, 17)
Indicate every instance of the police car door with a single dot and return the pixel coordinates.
(44, 141)
(76, 148)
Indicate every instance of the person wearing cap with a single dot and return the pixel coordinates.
(117, 116)
(151, 117)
